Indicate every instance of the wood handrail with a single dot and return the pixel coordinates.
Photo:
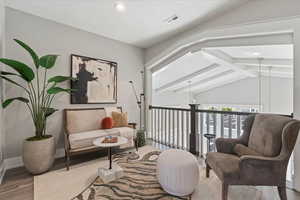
(210, 111)
(168, 108)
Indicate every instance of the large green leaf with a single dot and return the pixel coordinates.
(8, 73)
(13, 82)
(48, 61)
(55, 90)
(49, 111)
(34, 56)
(25, 71)
(59, 79)
(9, 101)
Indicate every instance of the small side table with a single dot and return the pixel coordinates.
(210, 142)
(114, 171)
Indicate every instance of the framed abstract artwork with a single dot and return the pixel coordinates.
(96, 80)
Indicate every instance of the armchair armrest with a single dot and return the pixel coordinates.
(260, 169)
(132, 125)
(226, 145)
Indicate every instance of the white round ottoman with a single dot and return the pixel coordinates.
(177, 172)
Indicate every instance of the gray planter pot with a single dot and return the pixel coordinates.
(38, 156)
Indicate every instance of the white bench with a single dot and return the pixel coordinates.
(82, 126)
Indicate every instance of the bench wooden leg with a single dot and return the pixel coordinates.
(136, 144)
(207, 170)
(67, 160)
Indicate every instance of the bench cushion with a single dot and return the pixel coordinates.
(85, 139)
(226, 166)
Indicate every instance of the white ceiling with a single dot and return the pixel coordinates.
(180, 68)
(142, 24)
(276, 51)
(232, 64)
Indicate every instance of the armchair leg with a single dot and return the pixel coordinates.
(207, 170)
(282, 192)
(224, 191)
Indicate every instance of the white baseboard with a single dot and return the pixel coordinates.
(15, 162)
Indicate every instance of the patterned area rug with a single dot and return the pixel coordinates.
(139, 181)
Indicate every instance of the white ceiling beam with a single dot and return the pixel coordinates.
(255, 69)
(217, 84)
(224, 60)
(212, 78)
(277, 73)
(187, 77)
(165, 63)
(274, 62)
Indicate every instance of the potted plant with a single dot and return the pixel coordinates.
(39, 150)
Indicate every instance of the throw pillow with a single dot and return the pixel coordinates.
(119, 119)
(242, 150)
(107, 123)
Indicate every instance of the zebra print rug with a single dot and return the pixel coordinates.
(139, 181)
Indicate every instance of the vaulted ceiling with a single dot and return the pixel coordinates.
(143, 24)
(214, 67)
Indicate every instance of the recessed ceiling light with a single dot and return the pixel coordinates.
(256, 54)
(120, 6)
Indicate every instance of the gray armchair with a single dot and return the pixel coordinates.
(259, 157)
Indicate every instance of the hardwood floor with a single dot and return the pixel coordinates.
(18, 183)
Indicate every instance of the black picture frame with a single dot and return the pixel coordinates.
(74, 97)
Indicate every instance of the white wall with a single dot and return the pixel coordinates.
(296, 102)
(170, 98)
(261, 10)
(245, 92)
(49, 37)
(1, 88)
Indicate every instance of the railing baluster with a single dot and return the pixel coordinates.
(154, 132)
(187, 130)
(215, 123)
(165, 134)
(200, 134)
(201, 128)
(230, 125)
(155, 125)
(169, 126)
(178, 129)
(238, 127)
(152, 124)
(158, 125)
(173, 132)
(162, 126)
(182, 129)
(222, 125)
(207, 123)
